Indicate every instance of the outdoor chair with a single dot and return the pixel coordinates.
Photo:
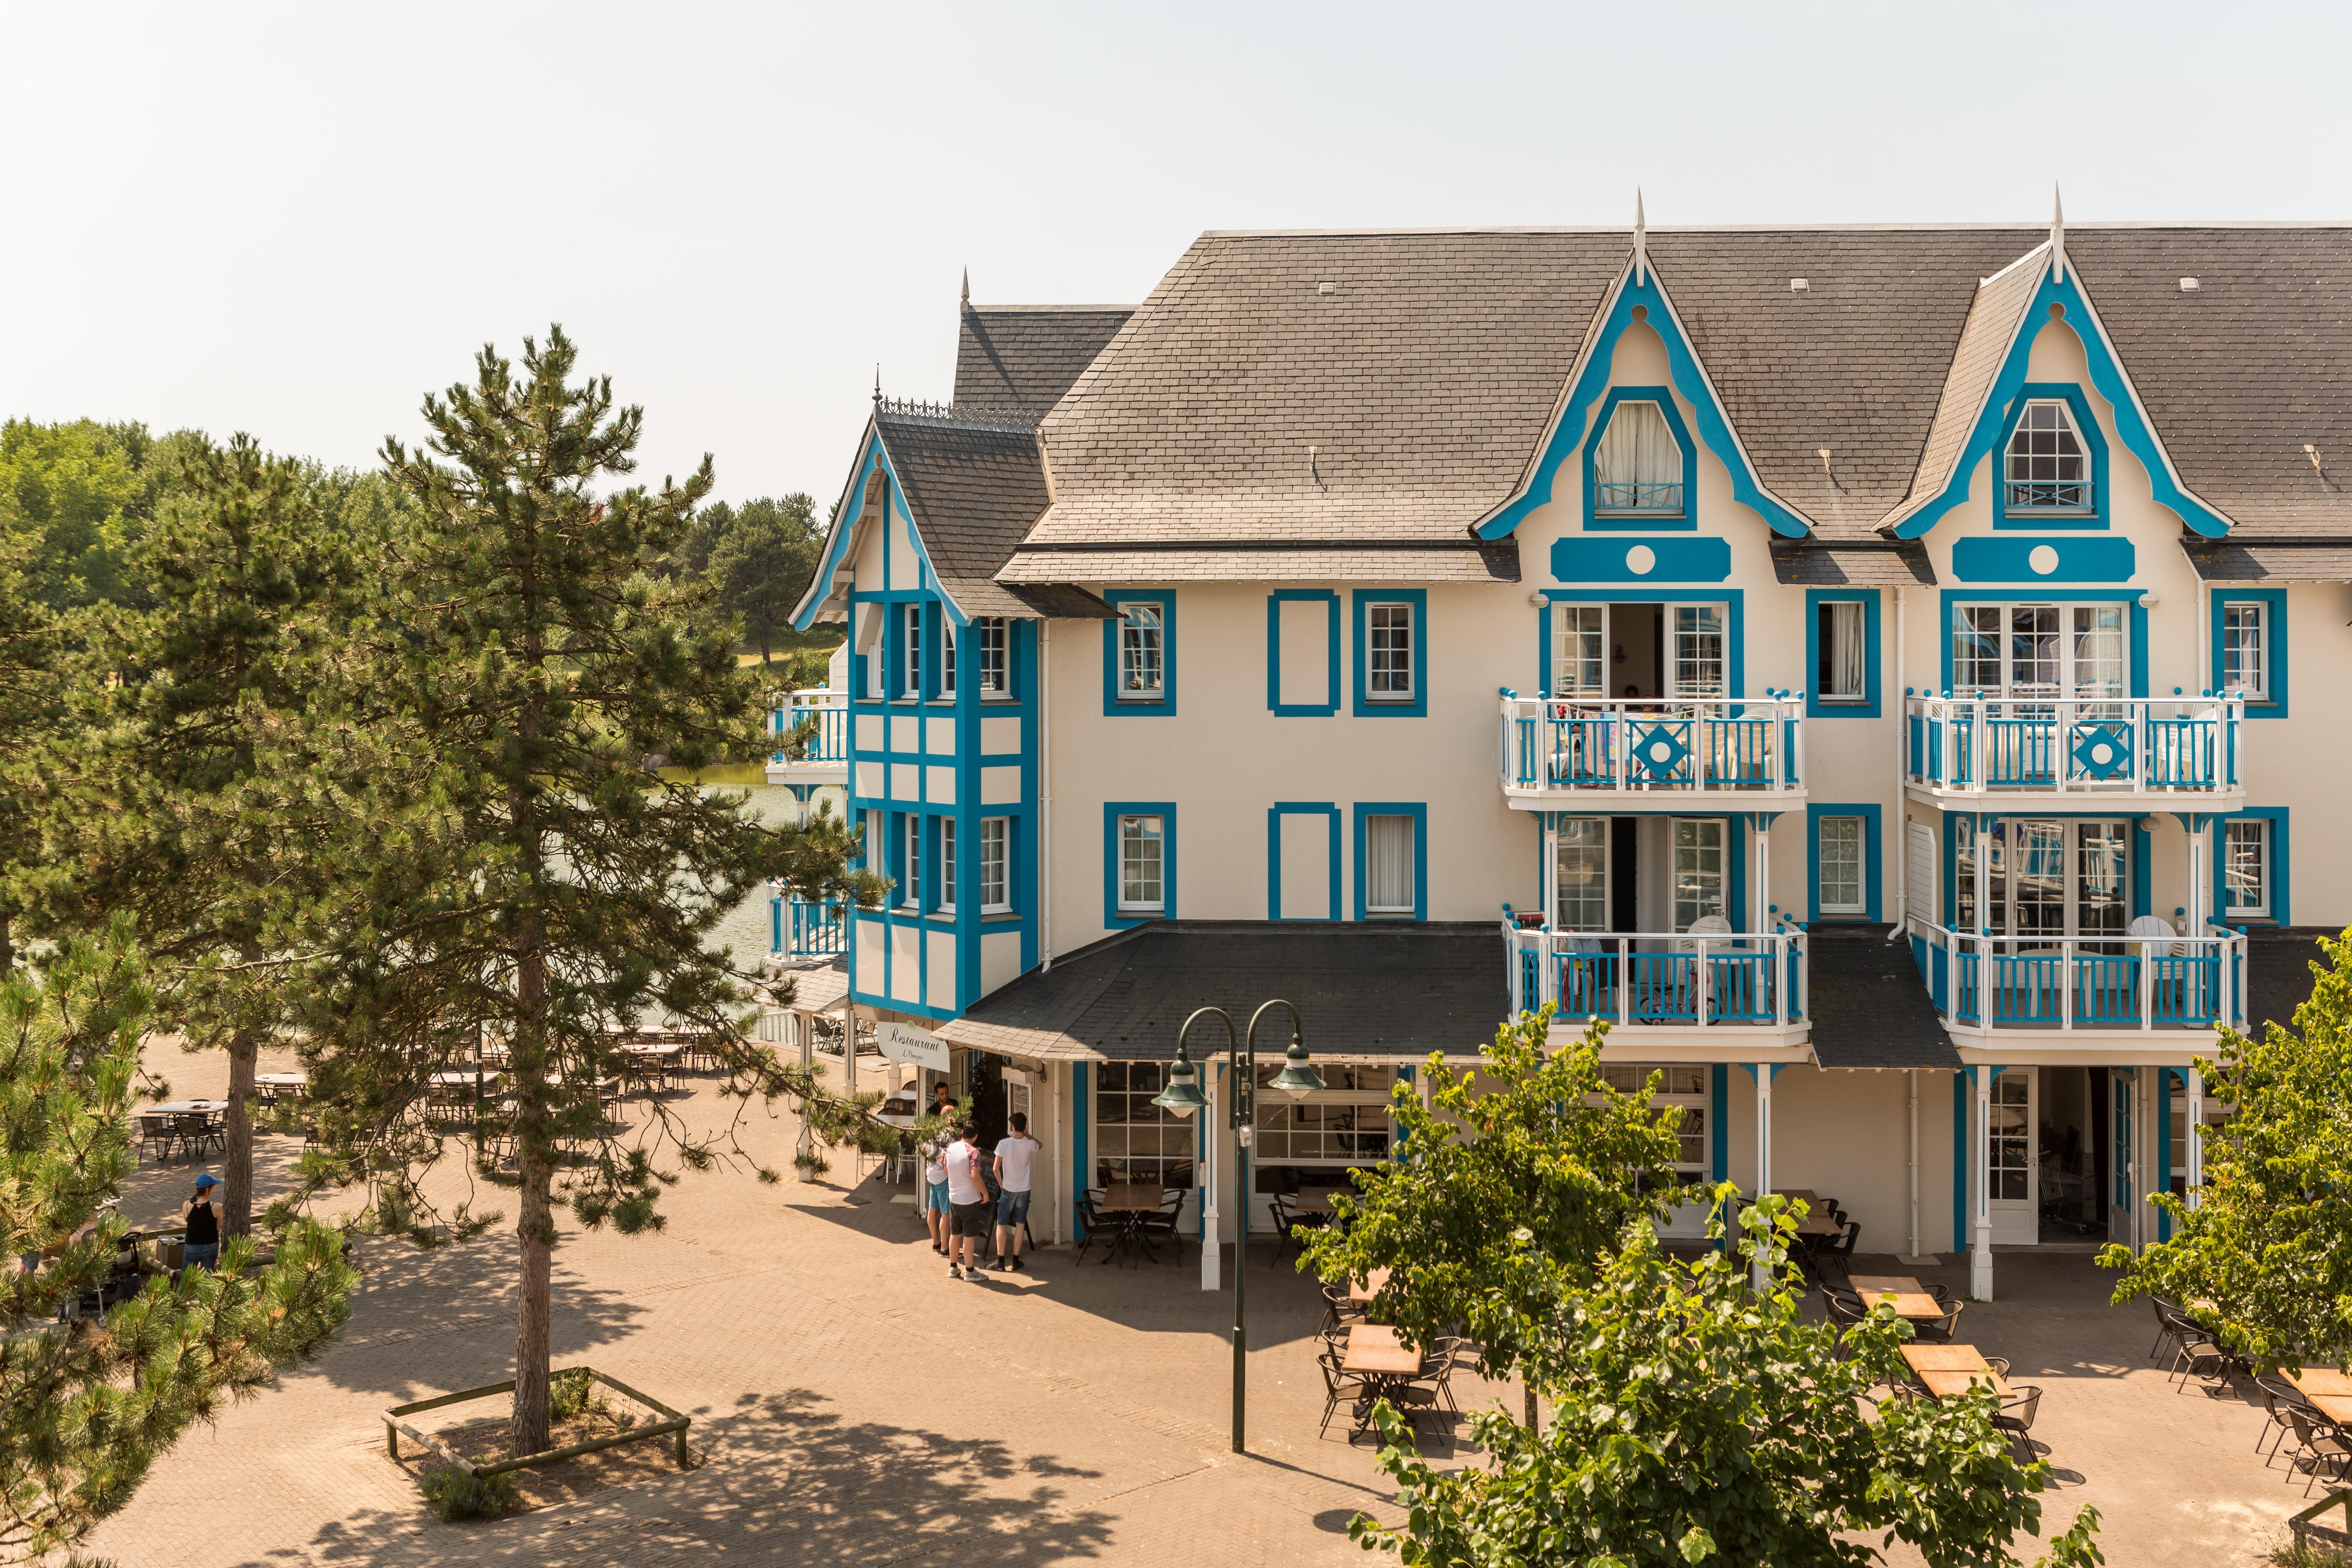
(1287, 1223)
(1339, 1309)
(1846, 1309)
(2321, 1441)
(2000, 1364)
(1160, 1226)
(2165, 1312)
(155, 1130)
(2195, 1349)
(1838, 1252)
(1448, 1352)
(2016, 1418)
(1420, 1393)
(195, 1130)
(2280, 1399)
(1942, 1328)
(1338, 1383)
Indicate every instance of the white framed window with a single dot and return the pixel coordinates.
(1142, 842)
(1388, 866)
(1142, 652)
(1698, 651)
(995, 865)
(1841, 850)
(1582, 874)
(2045, 877)
(995, 655)
(871, 619)
(2246, 867)
(910, 651)
(911, 833)
(1638, 467)
(947, 656)
(2047, 650)
(1388, 674)
(2246, 649)
(946, 873)
(1680, 1084)
(874, 843)
(1699, 870)
(2048, 468)
(1843, 651)
(1579, 650)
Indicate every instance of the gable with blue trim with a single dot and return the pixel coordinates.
(1642, 302)
(872, 469)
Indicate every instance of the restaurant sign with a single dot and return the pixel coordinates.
(905, 1043)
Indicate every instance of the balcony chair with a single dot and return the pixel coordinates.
(1837, 1252)
(1160, 1226)
(1947, 1326)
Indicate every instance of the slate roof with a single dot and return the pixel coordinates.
(2304, 560)
(1869, 1007)
(1240, 404)
(2278, 972)
(1025, 356)
(1858, 564)
(1361, 990)
(974, 488)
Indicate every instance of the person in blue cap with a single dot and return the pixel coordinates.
(203, 1225)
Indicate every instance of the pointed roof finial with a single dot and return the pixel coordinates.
(1640, 241)
(878, 381)
(2057, 235)
(966, 300)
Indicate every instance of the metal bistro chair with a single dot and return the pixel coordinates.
(1160, 1225)
(1338, 1383)
(2016, 1418)
(1091, 1221)
(2166, 1310)
(1339, 1309)
(2280, 1398)
(155, 1130)
(2196, 1349)
(1287, 1224)
(1947, 1326)
(194, 1129)
(2321, 1441)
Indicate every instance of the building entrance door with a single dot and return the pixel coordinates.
(2014, 1204)
(2121, 1212)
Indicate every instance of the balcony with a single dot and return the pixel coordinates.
(822, 757)
(2108, 990)
(1563, 754)
(1734, 988)
(2156, 754)
(798, 929)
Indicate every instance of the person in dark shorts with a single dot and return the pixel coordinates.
(969, 1210)
(1016, 1165)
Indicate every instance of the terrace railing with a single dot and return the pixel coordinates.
(2103, 984)
(830, 744)
(1738, 978)
(1749, 745)
(798, 929)
(2136, 746)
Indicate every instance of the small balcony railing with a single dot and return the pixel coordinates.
(1745, 746)
(830, 744)
(1616, 497)
(2084, 984)
(1738, 978)
(798, 929)
(2140, 745)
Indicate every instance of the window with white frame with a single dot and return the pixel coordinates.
(1579, 650)
(1700, 651)
(1143, 650)
(1638, 467)
(2078, 651)
(1842, 866)
(2048, 468)
(2246, 649)
(910, 651)
(1684, 1086)
(946, 872)
(2246, 867)
(911, 846)
(1388, 866)
(947, 656)
(995, 655)
(1843, 654)
(1699, 870)
(871, 619)
(995, 865)
(1136, 1139)
(1389, 669)
(1142, 845)
(874, 843)
(1582, 874)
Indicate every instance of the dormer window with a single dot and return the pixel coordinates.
(1637, 469)
(2049, 468)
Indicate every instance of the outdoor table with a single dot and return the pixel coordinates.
(1819, 1225)
(1804, 1192)
(1124, 1206)
(1370, 1288)
(654, 1059)
(293, 1080)
(188, 1107)
(2330, 1393)
(1953, 1369)
(1911, 1299)
(1316, 1202)
(1373, 1348)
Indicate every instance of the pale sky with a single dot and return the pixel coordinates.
(293, 220)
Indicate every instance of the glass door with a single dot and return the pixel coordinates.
(2011, 1171)
(1684, 1086)
(2046, 879)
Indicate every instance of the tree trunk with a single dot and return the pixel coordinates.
(763, 644)
(535, 1225)
(1534, 1416)
(237, 1154)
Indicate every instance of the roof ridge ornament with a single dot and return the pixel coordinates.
(877, 384)
(965, 300)
(1640, 241)
(2057, 235)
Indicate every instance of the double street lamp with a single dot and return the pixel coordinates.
(1183, 1096)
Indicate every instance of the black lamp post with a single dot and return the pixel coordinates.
(1183, 1097)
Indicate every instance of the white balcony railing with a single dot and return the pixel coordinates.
(1682, 746)
(830, 745)
(1695, 982)
(2136, 745)
(2071, 985)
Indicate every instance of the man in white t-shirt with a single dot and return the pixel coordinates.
(1016, 1166)
(967, 1208)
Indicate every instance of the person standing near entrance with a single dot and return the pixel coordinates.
(968, 1206)
(202, 1247)
(1016, 1161)
(935, 1193)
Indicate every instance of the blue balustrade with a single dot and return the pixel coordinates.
(799, 929)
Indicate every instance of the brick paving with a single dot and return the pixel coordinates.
(857, 1407)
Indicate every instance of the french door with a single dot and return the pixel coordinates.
(2013, 1172)
(2045, 879)
(1694, 641)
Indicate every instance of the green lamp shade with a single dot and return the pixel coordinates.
(1297, 1076)
(1183, 1094)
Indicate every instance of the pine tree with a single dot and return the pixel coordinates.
(32, 714)
(535, 881)
(87, 1404)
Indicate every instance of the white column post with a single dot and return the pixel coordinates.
(1058, 1109)
(2196, 1134)
(1211, 1239)
(1763, 1147)
(849, 1050)
(1763, 869)
(1911, 1078)
(1980, 1253)
(1550, 888)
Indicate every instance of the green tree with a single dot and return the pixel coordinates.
(761, 563)
(1696, 1421)
(2267, 1244)
(83, 494)
(33, 691)
(202, 795)
(536, 883)
(1509, 1191)
(87, 1406)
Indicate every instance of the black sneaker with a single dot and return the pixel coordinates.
(1005, 1266)
(1016, 1265)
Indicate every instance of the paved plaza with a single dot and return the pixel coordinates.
(854, 1405)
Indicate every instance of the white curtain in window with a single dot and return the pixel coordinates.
(1388, 865)
(1638, 465)
(1584, 874)
(1847, 653)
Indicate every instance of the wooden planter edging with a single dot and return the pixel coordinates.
(2306, 1527)
(672, 1424)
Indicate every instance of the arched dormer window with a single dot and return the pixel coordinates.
(1637, 466)
(2048, 468)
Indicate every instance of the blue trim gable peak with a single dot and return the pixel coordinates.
(1642, 299)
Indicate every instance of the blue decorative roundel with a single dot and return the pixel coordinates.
(2103, 751)
(1659, 752)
